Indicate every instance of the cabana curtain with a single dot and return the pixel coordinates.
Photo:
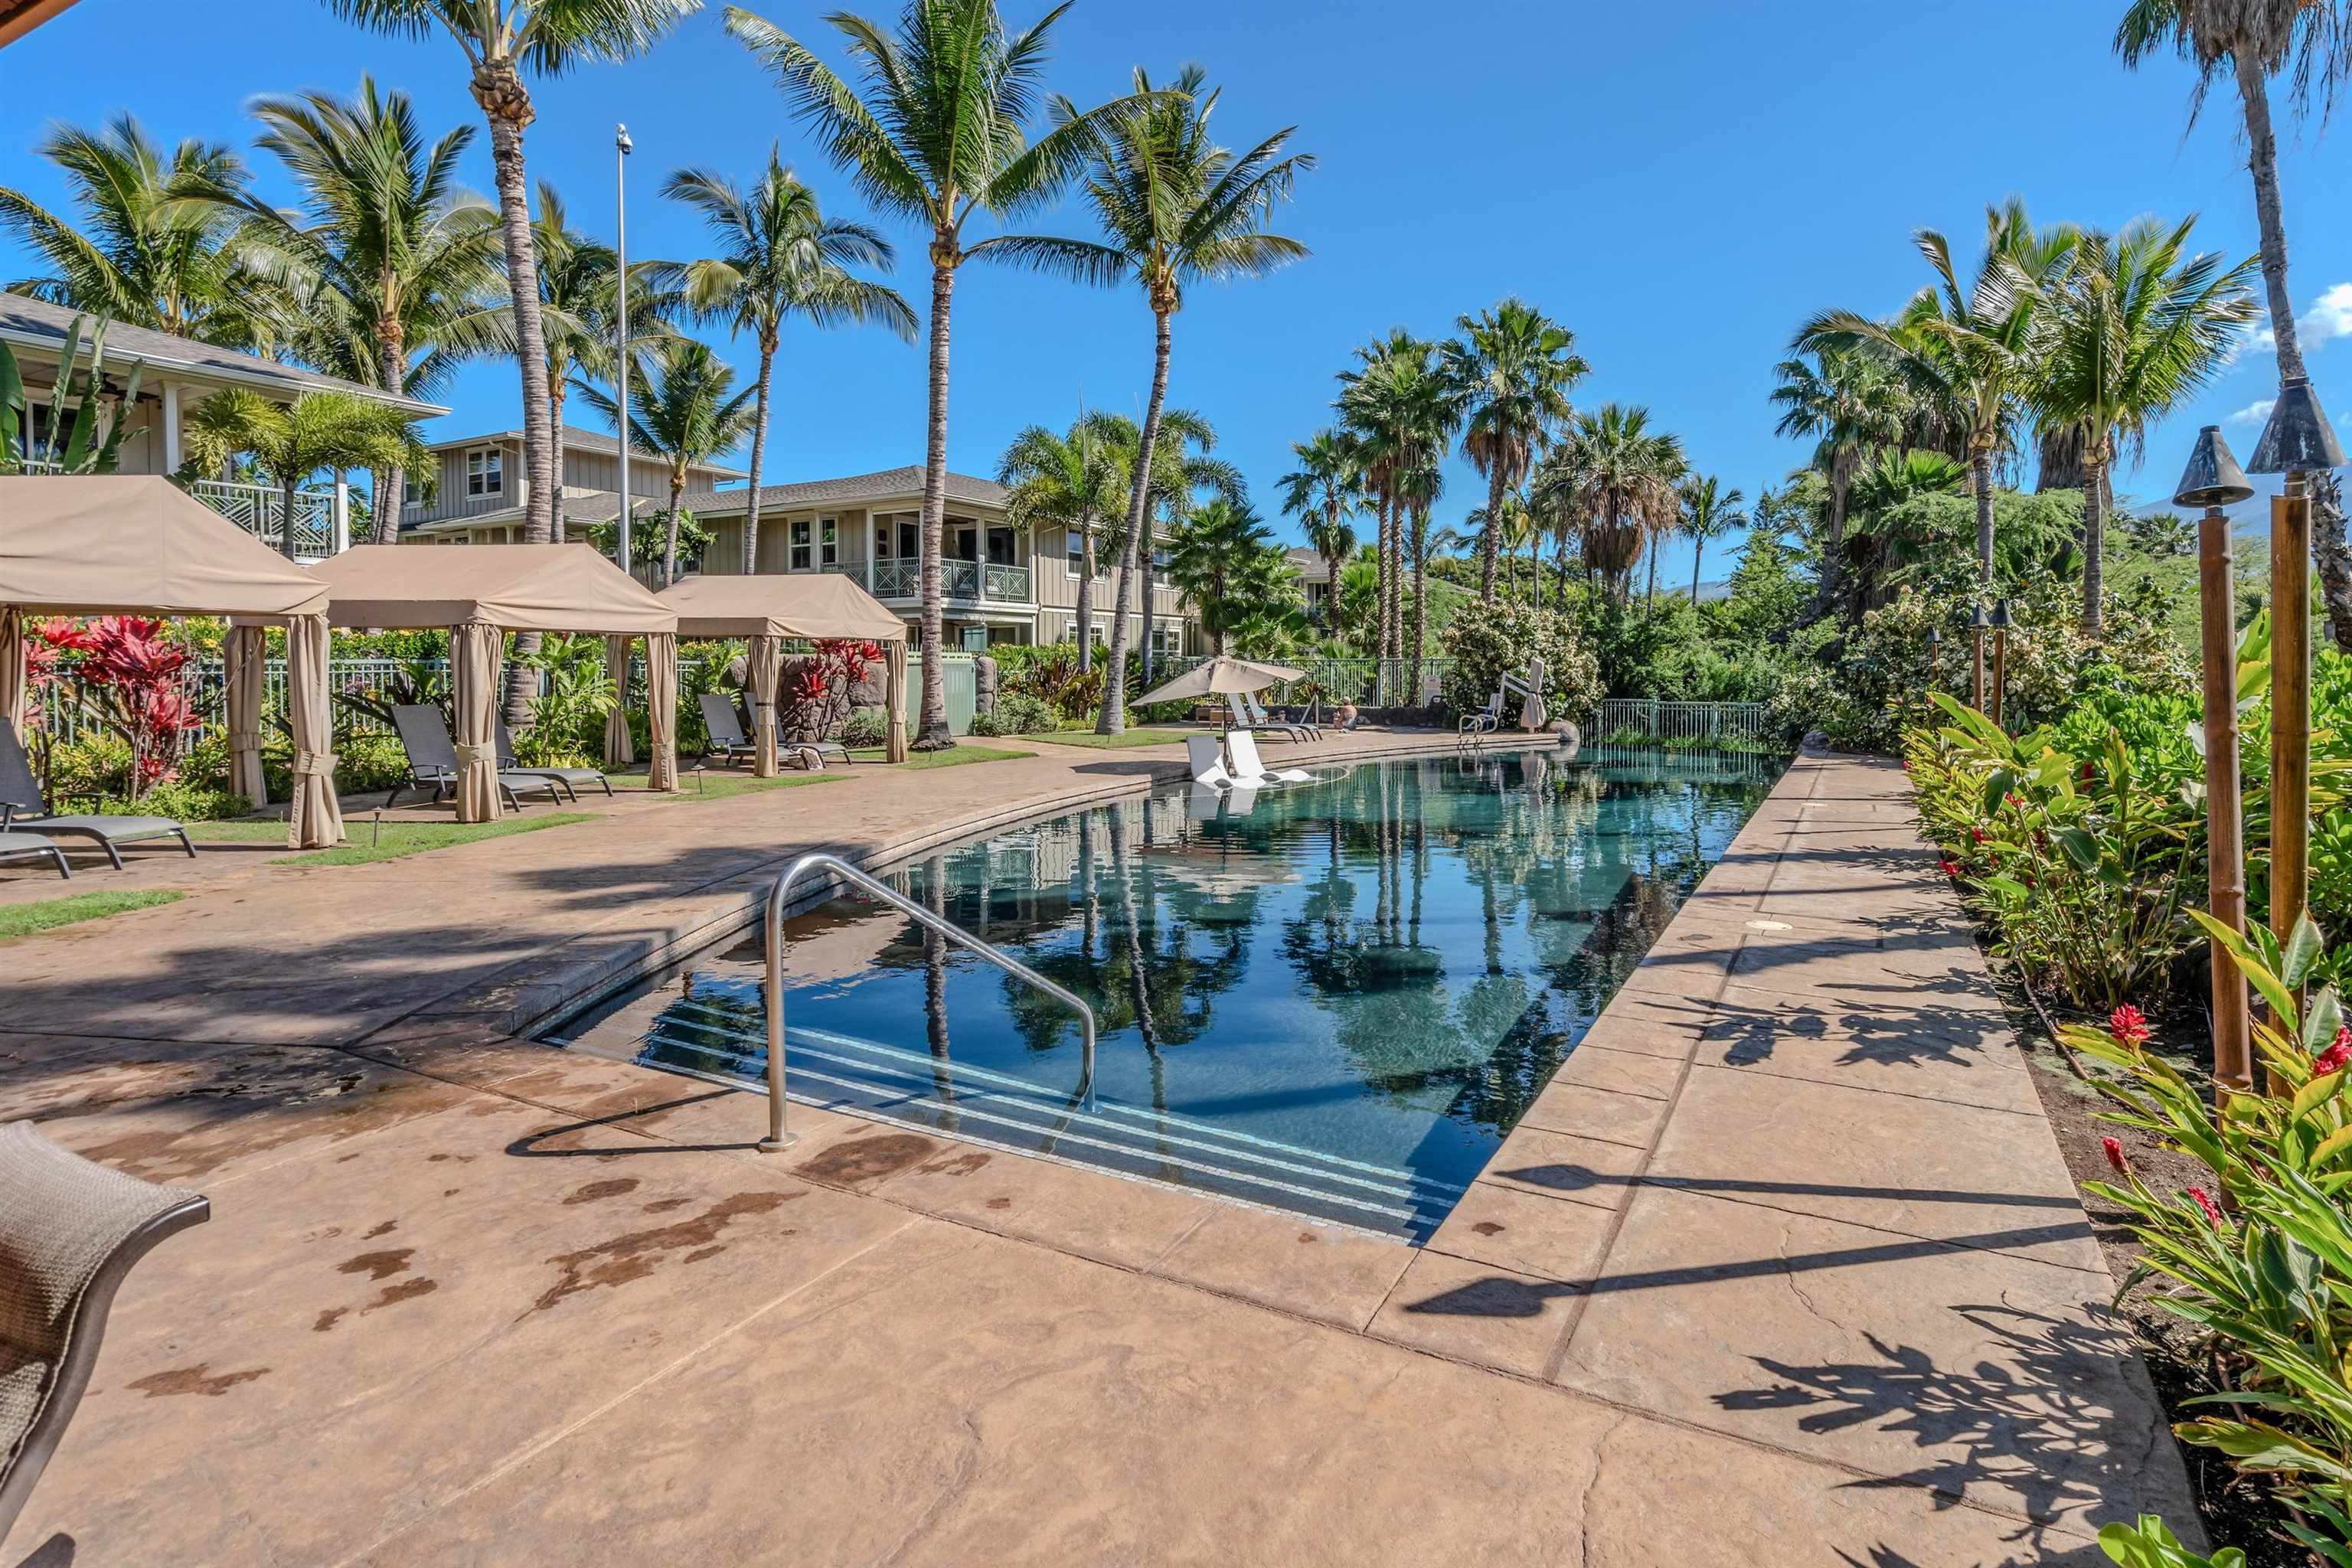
(764, 669)
(473, 650)
(317, 816)
(13, 687)
(243, 656)
(620, 745)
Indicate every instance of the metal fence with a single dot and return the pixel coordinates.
(205, 683)
(1681, 723)
(1368, 682)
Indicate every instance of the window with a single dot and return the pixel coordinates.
(999, 547)
(1167, 638)
(828, 545)
(486, 472)
(800, 529)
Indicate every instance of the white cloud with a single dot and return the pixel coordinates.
(2253, 413)
(2330, 316)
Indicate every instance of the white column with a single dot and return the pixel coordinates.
(342, 517)
(171, 428)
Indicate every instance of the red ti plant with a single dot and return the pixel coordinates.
(824, 684)
(129, 679)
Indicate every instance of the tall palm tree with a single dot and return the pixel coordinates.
(1615, 476)
(780, 256)
(2138, 325)
(1176, 208)
(1181, 467)
(686, 409)
(1419, 489)
(1072, 482)
(1216, 556)
(1323, 492)
(396, 263)
(1850, 402)
(935, 130)
(135, 249)
(1970, 348)
(289, 442)
(500, 39)
(1513, 366)
(1405, 410)
(1709, 510)
(578, 314)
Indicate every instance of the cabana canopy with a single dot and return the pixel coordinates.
(514, 587)
(817, 605)
(134, 545)
(138, 544)
(481, 590)
(768, 607)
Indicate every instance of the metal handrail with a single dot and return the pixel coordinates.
(778, 1138)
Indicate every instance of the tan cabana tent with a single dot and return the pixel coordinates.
(124, 545)
(481, 592)
(819, 606)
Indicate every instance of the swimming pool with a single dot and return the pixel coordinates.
(1334, 999)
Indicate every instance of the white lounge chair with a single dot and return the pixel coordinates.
(1207, 755)
(1249, 769)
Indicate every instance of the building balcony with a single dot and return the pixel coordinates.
(961, 582)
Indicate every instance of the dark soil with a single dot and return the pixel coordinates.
(2238, 1511)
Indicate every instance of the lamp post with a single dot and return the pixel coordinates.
(2213, 480)
(2000, 623)
(1935, 649)
(1978, 624)
(622, 147)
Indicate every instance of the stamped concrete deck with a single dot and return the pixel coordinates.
(1785, 1267)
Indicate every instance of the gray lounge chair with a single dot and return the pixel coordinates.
(433, 760)
(1266, 721)
(70, 1232)
(570, 778)
(1244, 721)
(23, 846)
(728, 735)
(22, 810)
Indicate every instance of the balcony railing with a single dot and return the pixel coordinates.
(322, 520)
(967, 580)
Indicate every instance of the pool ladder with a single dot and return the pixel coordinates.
(834, 865)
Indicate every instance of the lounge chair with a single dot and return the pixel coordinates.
(1262, 720)
(70, 1232)
(22, 846)
(1486, 721)
(570, 778)
(1249, 769)
(23, 811)
(725, 726)
(1207, 803)
(1244, 722)
(433, 760)
(1206, 754)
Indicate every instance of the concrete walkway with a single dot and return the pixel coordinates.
(1785, 1267)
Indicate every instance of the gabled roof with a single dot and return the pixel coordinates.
(107, 544)
(576, 440)
(586, 506)
(1310, 566)
(888, 484)
(516, 587)
(28, 322)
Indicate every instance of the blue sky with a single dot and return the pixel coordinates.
(1680, 184)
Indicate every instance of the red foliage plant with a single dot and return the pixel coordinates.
(130, 678)
(824, 683)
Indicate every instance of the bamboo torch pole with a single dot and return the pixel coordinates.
(2225, 843)
(2290, 705)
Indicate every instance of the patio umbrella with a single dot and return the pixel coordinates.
(1218, 678)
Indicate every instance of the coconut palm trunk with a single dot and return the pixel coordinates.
(391, 365)
(932, 733)
(2261, 161)
(1144, 567)
(556, 533)
(669, 541)
(767, 342)
(2095, 532)
(1980, 481)
(506, 104)
(1113, 718)
(1086, 592)
(1420, 594)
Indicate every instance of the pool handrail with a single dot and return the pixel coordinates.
(778, 1138)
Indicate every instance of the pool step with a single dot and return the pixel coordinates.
(845, 1072)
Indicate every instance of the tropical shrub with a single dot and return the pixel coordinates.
(1485, 640)
(866, 727)
(1021, 713)
(1049, 671)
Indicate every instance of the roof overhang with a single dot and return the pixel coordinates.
(259, 378)
(18, 18)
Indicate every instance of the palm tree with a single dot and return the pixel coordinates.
(1218, 556)
(397, 267)
(578, 315)
(500, 39)
(1072, 482)
(1404, 410)
(935, 130)
(685, 408)
(780, 256)
(1180, 467)
(1709, 510)
(1323, 491)
(1176, 208)
(1419, 488)
(289, 442)
(136, 248)
(1850, 402)
(1513, 366)
(1615, 479)
(2138, 325)
(1970, 349)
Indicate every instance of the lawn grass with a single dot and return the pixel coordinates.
(398, 838)
(717, 785)
(964, 751)
(48, 914)
(1145, 735)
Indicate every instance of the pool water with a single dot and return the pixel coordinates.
(1333, 999)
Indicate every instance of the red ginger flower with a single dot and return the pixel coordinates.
(2336, 1057)
(2205, 1202)
(2115, 1148)
(1977, 835)
(1952, 867)
(2128, 1026)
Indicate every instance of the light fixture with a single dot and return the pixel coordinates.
(2212, 478)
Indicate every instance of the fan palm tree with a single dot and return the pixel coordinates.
(1404, 410)
(135, 249)
(1176, 208)
(1072, 482)
(686, 409)
(396, 264)
(1709, 510)
(1850, 402)
(1512, 366)
(1218, 556)
(1970, 348)
(289, 442)
(2138, 325)
(1323, 492)
(780, 256)
(500, 39)
(935, 130)
(1615, 478)
(1419, 489)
